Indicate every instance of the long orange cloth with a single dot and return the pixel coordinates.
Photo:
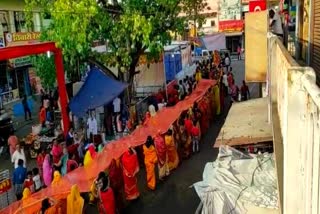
(84, 177)
(150, 160)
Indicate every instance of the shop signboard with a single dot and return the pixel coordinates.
(257, 6)
(20, 62)
(15, 39)
(231, 26)
(20, 38)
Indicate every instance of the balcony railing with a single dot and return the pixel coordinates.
(295, 103)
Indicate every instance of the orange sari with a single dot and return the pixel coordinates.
(150, 159)
(173, 159)
(130, 169)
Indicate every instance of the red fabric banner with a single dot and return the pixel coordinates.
(256, 6)
(231, 26)
(84, 177)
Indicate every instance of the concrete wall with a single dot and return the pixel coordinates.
(295, 109)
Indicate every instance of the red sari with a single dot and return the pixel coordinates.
(162, 154)
(161, 150)
(108, 202)
(130, 167)
(116, 182)
(204, 119)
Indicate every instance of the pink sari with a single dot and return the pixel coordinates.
(47, 170)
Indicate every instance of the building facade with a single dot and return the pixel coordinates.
(211, 24)
(231, 23)
(17, 77)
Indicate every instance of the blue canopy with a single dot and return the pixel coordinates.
(97, 90)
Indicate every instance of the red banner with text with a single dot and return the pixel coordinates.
(231, 26)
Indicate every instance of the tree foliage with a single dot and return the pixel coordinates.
(130, 28)
(194, 11)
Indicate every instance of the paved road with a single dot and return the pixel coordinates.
(175, 195)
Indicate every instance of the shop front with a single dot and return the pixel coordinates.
(233, 31)
(15, 74)
(231, 24)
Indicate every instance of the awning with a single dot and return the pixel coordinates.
(233, 34)
(247, 123)
(97, 90)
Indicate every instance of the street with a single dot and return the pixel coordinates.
(175, 193)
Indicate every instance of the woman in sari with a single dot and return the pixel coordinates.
(26, 193)
(147, 118)
(162, 156)
(62, 164)
(177, 139)
(47, 169)
(89, 156)
(106, 197)
(56, 179)
(116, 182)
(130, 168)
(173, 159)
(217, 99)
(150, 159)
(93, 194)
(56, 151)
(203, 119)
(74, 201)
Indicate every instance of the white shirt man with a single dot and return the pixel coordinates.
(275, 23)
(92, 125)
(116, 105)
(18, 154)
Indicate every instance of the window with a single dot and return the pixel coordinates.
(214, 14)
(4, 21)
(20, 22)
(213, 23)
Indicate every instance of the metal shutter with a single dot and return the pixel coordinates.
(315, 54)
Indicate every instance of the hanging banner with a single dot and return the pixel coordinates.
(257, 6)
(231, 26)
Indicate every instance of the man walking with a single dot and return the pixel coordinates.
(19, 175)
(26, 108)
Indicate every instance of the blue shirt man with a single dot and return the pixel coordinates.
(19, 175)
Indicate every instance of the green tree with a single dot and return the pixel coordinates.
(130, 28)
(193, 10)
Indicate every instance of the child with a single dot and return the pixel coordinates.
(40, 159)
(28, 182)
(36, 180)
(195, 137)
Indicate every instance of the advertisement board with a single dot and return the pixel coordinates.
(230, 10)
(21, 38)
(231, 26)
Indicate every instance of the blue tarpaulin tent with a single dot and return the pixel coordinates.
(97, 90)
(173, 65)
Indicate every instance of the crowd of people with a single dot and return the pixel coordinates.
(165, 151)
